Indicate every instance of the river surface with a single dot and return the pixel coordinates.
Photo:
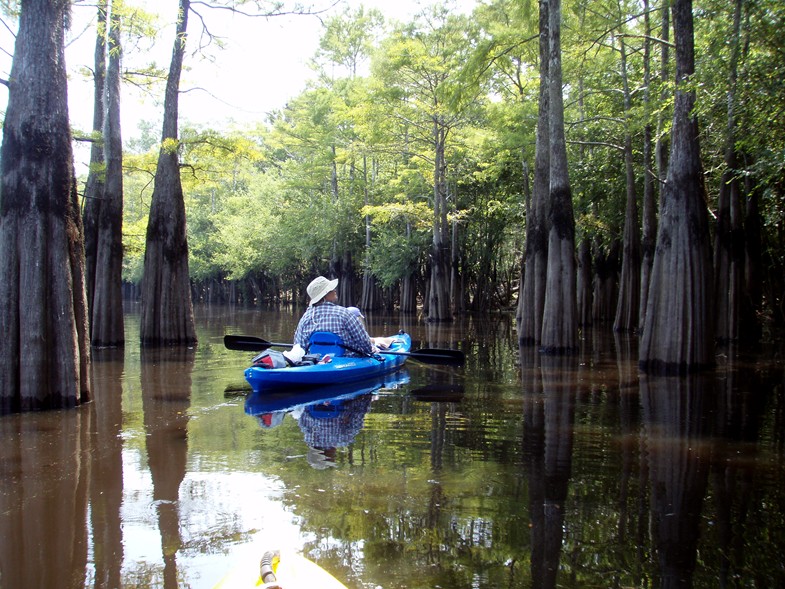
(514, 470)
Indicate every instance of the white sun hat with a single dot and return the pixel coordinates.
(319, 288)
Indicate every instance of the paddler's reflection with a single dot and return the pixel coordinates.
(326, 425)
(330, 418)
(330, 425)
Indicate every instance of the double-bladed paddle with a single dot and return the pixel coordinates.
(250, 343)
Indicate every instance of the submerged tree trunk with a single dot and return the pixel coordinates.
(584, 284)
(649, 216)
(678, 335)
(661, 146)
(559, 320)
(44, 351)
(408, 294)
(753, 266)
(606, 278)
(167, 311)
(627, 305)
(346, 285)
(408, 302)
(371, 297)
(94, 188)
(439, 294)
(532, 297)
(458, 292)
(729, 237)
(107, 308)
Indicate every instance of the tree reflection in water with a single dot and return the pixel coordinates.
(517, 470)
(106, 481)
(677, 421)
(166, 397)
(44, 469)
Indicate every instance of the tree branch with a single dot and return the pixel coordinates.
(597, 144)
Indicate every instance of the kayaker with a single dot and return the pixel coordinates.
(379, 343)
(323, 314)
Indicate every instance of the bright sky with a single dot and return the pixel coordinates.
(266, 61)
(264, 64)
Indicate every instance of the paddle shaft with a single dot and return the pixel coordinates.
(249, 343)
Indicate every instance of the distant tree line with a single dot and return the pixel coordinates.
(412, 169)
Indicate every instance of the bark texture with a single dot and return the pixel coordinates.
(532, 299)
(167, 309)
(649, 216)
(678, 335)
(94, 189)
(44, 353)
(627, 306)
(584, 284)
(559, 321)
(439, 303)
(729, 238)
(107, 326)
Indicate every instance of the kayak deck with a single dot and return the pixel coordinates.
(339, 370)
(289, 569)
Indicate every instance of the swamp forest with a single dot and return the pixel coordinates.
(576, 163)
(583, 196)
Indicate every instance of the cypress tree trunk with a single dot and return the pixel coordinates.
(94, 189)
(371, 297)
(458, 292)
(649, 217)
(584, 284)
(559, 321)
(167, 311)
(44, 351)
(729, 237)
(107, 308)
(532, 298)
(627, 305)
(346, 286)
(605, 279)
(753, 265)
(439, 294)
(661, 146)
(678, 335)
(408, 302)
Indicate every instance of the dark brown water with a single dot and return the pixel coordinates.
(513, 471)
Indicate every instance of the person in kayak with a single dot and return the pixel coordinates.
(323, 314)
(379, 343)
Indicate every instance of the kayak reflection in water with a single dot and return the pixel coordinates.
(330, 425)
(329, 417)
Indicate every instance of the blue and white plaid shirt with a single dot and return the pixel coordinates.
(336, 428)
(330, 317)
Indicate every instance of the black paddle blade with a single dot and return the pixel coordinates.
(246, 343)
(438, 356)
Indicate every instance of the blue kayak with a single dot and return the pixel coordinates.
(284, 401)
(334, 367)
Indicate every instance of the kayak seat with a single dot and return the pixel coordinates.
(325, 342)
